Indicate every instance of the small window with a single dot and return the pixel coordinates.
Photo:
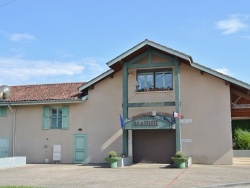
(163, 80)
(145, 80)
(154, 80)
(55, 117)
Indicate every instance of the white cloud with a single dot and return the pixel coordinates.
(225, 71)
(18, 70)
(93, 67)
(16, 37)
(231, 25)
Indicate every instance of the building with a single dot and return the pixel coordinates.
(144, 85)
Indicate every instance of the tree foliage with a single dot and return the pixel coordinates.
(242, 139)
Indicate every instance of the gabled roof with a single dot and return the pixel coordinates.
(116, 63)
(151, 44)
(45, 93)
(220, 75)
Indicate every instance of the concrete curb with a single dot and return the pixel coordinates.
(226, 185)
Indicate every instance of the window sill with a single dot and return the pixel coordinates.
(164, 91)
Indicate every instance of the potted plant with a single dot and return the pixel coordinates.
(179, 160)
(112, 159)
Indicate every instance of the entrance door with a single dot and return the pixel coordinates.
(4, 147)
(80, 148)
(153, 146)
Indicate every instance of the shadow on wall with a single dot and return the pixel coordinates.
(106, 144)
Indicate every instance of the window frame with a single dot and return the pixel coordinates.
(166, 85)
(165, 71)
(58, 118)
(47, 117)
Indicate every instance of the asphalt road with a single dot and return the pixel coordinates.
(140, 175)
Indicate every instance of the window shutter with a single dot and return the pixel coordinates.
(46, 117)
(3, 111)
(65, 117)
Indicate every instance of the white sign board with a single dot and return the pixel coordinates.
(185, 121)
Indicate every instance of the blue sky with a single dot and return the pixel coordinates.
(58, 41)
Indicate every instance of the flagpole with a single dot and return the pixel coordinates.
(177, 105)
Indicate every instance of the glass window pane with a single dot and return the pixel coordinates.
(150, 81)
(53, 122)
(54, 112)
(60, 122)
(168, 80)
(59, 112)
(59, 118)
(159, 80)
(141, 81)
(56, 117)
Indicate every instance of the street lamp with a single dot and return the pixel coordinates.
(4, 91)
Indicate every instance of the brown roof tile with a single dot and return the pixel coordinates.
(45, 92)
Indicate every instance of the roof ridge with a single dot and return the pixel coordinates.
(66, 83)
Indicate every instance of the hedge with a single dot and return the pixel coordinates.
(242, 139)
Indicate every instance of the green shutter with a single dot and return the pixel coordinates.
(3, 111)
(46, 117)
(65, 117)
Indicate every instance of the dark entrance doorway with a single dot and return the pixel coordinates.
(153, 146)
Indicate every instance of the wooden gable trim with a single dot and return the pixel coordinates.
(240, 94)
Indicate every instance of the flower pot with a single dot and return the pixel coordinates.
(112, 161)
(180, 164)
(113, 164)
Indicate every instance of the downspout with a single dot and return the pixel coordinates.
(13, 131)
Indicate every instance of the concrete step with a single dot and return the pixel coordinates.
(241, 161)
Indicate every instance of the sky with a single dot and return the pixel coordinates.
(60, 41)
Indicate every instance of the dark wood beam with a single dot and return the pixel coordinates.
(240, 106)
(239, 118)
(240, 94)
(237, 100)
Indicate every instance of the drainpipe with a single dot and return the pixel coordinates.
(13, 131)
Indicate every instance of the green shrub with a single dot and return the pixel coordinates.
(179, 154)
(242, 139)
(112, 154)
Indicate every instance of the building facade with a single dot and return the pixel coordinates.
(128, 109)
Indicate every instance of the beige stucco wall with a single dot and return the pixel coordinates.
(206, 100)
(98, 117)
(147, 97)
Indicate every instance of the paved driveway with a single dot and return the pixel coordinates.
(59, 175)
